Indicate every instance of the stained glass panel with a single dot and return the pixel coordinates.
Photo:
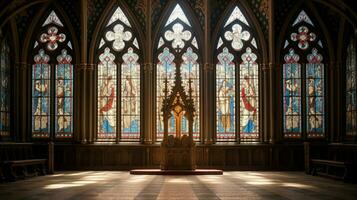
(351, 90)
(249, 91)
(292, 95)
(118, 82)
(225, 93)
(303, 81)
(190, 72)
(315, 95)
(41, 78)
(130, 97)
(107, 100)
(177, 35)
(64, 96)
(165, 71)
(237, 91)
(5, 90)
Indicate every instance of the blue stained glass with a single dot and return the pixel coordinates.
(225, 83)
(130, 95)
(107, 83)
(292, 95)
(351, 90)
(165, 70)
(5, 90)
(249, 99)
(190, 71)
(315, 95)
(64, 98)
(41, 96)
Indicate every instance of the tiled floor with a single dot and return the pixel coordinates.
(231, 185)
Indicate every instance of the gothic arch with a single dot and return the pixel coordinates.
(299, 113)
(107, 13)
(71, 45)
(190, 15)
(192, 25)
(260, 50)
(252, 20)
(45, 10)
(313, 13)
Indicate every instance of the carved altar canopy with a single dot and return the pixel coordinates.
(178, 151)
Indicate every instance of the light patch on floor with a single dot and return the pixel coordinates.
(231, 185)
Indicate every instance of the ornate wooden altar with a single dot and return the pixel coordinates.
(178, 151)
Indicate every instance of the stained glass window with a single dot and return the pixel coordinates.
(351, 90)
(303, 81)
(237, 81)
(5, 90)
(52, 81)
(178, 40)
(118, 81)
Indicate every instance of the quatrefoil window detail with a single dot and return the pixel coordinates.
(303, 36)
(52, 38)
(178, 36)
(237, 36)
(118, 35)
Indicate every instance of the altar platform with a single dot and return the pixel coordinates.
(176, 172)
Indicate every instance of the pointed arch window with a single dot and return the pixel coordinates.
(178, 40)
(52, 81)
(351, 90)
(118, 81)
(5, 90)
(303, 80)
(237, 81)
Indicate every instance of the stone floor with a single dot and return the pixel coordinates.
(231, 185)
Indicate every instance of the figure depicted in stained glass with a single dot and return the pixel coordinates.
(130, 95)
(41, 92)
(118, 118)
(226, 105)
(64, 86)
(314, 71)
(62, 122)
(249, 92)
(303, 109)
(52, 46)
(237, 34)
(106, 101)
(249, 103)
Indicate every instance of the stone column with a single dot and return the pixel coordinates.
(148, 112)
(207, 87)
(265, 114)
(272, 91)
(83, 76)
(148, 105)
(332, 133)
(24, 132)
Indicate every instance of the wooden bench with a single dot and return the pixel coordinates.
(330, 168)
(15, 169)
